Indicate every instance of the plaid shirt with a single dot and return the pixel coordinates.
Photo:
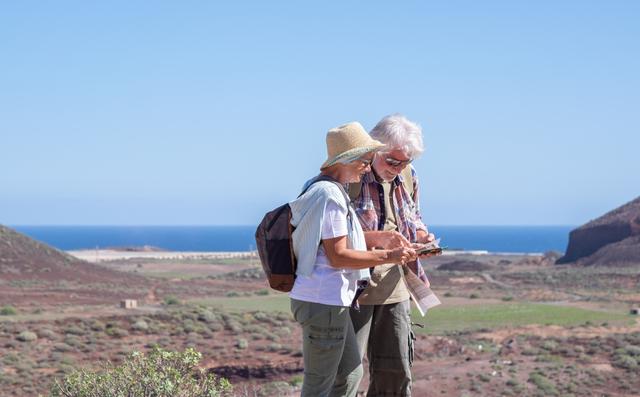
(370, 209)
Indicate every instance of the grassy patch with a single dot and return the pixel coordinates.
(444, 319)
(273, 302)
(171, 274)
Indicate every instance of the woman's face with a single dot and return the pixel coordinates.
(357, 168)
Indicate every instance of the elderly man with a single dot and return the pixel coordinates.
(386, 199)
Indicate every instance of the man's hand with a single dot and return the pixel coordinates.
(417, 247)
(395, 239)
(386, 240)
(423, 237)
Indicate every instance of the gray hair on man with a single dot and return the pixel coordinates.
(396, 131)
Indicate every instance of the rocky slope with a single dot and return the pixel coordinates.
(23, 258)
(612, 239)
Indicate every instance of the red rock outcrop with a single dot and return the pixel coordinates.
(609, 239)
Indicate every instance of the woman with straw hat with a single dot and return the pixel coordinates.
(332, 261)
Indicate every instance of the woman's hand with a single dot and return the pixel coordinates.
(341, 257)
(402, 255)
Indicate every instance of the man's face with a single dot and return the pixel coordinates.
(389, 164)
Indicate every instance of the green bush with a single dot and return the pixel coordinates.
(543, 383)
(271, 336)
(550, 345)
(47, 334)
(207, 316)
(74, 330)
(73, 340)
(10, 359)
(234, 326)
(216, 327)
(116, 332)
(632, 350)
(274, 347)
(284, 316)
(284, 331)
(62, 347)
(140, 325)
(261, 316)
(296, 380)
(171, 300)
(625, 361)
(484, 377)
(27, 336)
(8, 311)
(277, 388)
(242, 344)
(513, 383)
(97, 326)
(190, 326)
(159, 373)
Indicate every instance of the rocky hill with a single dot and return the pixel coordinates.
(23, 258)
(612, 239)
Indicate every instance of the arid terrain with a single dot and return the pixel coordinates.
(509, 325)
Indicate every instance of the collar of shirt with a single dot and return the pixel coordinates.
(370, 177)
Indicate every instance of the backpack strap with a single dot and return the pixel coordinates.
(407, 176)
(338, 184)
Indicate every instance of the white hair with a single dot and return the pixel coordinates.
(397, 132)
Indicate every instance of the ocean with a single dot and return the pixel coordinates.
(508, 239)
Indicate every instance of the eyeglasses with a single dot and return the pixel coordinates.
(395, 162)
(365, 162)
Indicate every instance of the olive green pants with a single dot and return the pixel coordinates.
(332, 362)
(384, 332)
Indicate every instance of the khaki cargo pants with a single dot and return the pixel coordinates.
(384, 332)
(332, 362)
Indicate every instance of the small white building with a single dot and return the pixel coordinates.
(129, 304)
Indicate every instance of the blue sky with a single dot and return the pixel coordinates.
(162, 113)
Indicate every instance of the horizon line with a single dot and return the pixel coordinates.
(255, 225)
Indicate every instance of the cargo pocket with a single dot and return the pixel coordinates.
(326, 337)
(326, 333)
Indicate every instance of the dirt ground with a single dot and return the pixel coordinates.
(260, 351)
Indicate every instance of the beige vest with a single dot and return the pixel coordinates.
(387, 283)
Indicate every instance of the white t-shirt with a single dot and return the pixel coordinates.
(329, 285)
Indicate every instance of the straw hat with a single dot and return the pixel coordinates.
(348, 143)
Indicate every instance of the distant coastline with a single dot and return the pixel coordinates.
(115, 254)
(492, 239)
(105, 255)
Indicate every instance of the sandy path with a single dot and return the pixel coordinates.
(111, 255)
